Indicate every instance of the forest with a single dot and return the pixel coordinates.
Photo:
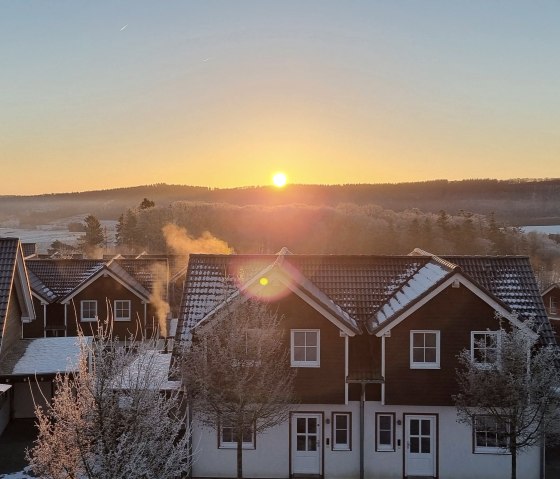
(185, 227)
(515, 202)
(440, 216)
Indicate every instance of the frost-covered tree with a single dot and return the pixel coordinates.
(510, 385)
(238, 374)
(117, 417)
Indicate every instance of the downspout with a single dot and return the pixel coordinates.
(44, 320)
(145, 316)
(346, 368)
(362, 425)
(383, 369)
(66, 319)
(542, 472)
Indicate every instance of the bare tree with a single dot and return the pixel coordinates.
(117, 417)
(510, 390)
(237, 372)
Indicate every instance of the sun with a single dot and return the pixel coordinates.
(279, 180)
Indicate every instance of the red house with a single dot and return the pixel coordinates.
(375, 340)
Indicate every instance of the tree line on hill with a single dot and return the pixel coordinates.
(515, 202)
(343, 229)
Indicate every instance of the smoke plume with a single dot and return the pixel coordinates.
(179, 240)
(157, 298)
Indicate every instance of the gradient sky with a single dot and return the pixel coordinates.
(102, 94)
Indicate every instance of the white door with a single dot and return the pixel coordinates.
(306, 443)
(420, 451)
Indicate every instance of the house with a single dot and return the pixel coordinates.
(27, 366)
(16, 309)
(551, 300)
(375, 340)
(74, 293)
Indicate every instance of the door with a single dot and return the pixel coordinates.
(420, 451)
(306, 443)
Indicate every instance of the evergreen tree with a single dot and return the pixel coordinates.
(93, 237)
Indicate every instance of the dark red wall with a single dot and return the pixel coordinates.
(454, 312)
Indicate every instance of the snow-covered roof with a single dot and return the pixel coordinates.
(55, 279)
(42, 356)
(351, 286)
(425, 279)
(4, 388)
(368, 289)
(150, 370)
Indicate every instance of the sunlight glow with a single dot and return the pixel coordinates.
(279, 180)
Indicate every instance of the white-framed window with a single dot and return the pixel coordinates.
(553, 305)
(490, 435)
(384, 431)
(88, 310)
(424, 349)
(341, 431)
(484, 347)
(121, 310)
(227, 437)
(306, 350)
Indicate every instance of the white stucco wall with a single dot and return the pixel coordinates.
(270, 459)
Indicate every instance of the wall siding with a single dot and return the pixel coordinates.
(106, 290)
(327, 383)
(12, 326)
(455, 312)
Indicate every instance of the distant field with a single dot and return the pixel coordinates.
(45, 235)
(549, 229)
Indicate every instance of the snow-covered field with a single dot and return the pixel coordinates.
(550, 229)
(45, 235)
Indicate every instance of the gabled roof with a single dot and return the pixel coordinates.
(114, 270)
(358, 285)
(13, 276)
(61, 276)
(281, 278)
(55, 280)
(511, 280)
(372, 290)
(550, 287)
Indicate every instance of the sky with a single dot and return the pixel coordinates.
(106, 94)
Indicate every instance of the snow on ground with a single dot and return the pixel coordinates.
(45, 235)
(549, 230)
(17, 475)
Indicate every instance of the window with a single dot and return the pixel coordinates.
(490, 435)
(384, 431)
(341, 431)
(122, 310)
(305, 348)
(553, 305)
(227, 437)
(88, 310)
(484, 347)
(424, 349)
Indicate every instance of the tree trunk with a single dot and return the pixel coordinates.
(513, 462)
(240, 455)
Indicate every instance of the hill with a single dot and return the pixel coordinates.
(516, 202)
